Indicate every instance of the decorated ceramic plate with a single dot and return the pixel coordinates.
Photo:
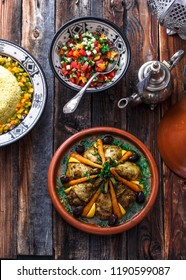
(33, 88)
(80, 26)
(103, 180)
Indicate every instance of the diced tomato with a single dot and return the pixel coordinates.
(99, 84)
(82, 71)
(84, 68)
(70, 41)
(73, 64)
(90, 57)
(70, 53)
(82, 52)
(111, 75)
(72, 80)
(88, 75)
(64, 71)
(98, 69)
(81, 84)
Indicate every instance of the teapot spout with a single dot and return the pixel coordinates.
(134, 99)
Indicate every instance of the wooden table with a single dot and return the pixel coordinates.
(29, 226)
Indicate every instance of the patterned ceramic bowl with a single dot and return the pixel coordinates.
(91, 24)
(31, 66)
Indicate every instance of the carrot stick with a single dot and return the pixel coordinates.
(115, 205)
(100, 150)
(124, 157)
(91, 202)
(129, 184)
(85, 160)
(79, 181)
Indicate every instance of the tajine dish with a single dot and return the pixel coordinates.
(103, 180)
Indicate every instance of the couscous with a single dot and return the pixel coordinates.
(10, 94)
(16, 92)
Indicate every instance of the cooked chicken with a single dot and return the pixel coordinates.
(81, 193)
(125, 196)
(74, 199)
(104, 206)
(92, 154)
(112, 152)
(77, 170)
(128, 170)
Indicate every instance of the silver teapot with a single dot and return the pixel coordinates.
(155, 82)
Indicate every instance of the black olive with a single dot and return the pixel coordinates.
(108, 139)
(134, 157)
(140, 197)
(77, 211)
(80, 149)
(112, 220)
(64, 179)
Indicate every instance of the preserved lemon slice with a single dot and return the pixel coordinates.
(123, 211)
(71, 159)
(123, 152)
(95, 145)
(68, 190)
(92, 211)
(138, 183)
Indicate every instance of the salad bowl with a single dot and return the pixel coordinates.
(83, 43)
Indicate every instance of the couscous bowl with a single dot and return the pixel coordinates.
(16, 92)
(23, 92)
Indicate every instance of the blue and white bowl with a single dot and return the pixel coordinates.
(37, 78)
(91, 24)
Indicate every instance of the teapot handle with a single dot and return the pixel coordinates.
(174, 60)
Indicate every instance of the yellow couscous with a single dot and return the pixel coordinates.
(16, 93)
(10, 94)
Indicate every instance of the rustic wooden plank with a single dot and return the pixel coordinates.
(110, 247)
(8, 201)
(10, 11)
(69, 243)
(174, 186)
(35, 211)
(146, 240)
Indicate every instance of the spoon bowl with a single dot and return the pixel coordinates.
(72, 104)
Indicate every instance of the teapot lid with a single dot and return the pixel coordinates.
(160, 76)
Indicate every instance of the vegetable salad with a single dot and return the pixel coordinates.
(83, 55)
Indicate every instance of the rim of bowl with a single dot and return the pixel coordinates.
(68, 23)
(91, 228)
(45, 88)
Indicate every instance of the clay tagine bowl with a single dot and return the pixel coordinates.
(171, 137)
(62, 193)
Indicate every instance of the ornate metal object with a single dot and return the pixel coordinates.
(154, 84)
(171, 14)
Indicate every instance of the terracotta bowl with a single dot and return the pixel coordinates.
(171, 138)
(62, 154)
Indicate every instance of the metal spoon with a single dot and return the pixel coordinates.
(72, 104)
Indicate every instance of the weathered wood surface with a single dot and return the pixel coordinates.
(28, 228)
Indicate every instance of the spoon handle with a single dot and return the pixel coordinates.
(72, 104)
